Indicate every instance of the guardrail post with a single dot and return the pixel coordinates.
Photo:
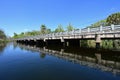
(73, 32)
(80, 30)
(112, 27)
(62, 39)
(101, 28)
(88, 29)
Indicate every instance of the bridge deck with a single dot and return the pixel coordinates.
(112, 31)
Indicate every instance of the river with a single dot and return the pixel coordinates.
(33, 62)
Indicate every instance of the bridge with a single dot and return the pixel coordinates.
(73, 37)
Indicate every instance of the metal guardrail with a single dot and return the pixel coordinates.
(84, 31)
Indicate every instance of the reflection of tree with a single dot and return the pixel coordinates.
(117, 44)
(42, 55)
(84, 43)
(14, 45)
(107, 44)
(2, 46)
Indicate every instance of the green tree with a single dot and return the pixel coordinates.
(113, 19)
(43, 29)
(15, 35)
(99, 23)
(21, 34)
(49, 31)
(2, 34)
(59, 29)
(70, 27)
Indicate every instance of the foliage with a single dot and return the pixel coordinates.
(15, 35)
(49, 31)
(87, 43)
(29, 33)
(59, 29)
(70, 27)
(113, 19)
(98, 24)
(83, 43)
(107, 44)
(2, 35)
(43, 29)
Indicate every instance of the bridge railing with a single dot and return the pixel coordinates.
(116, 27)
(101, 29)
(95, 29)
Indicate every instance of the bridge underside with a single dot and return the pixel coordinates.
(94, 42)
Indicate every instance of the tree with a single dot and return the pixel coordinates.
(114, 19)
(22, 33)
(43, 29)
(99, 23)
(2, 34)
(70, 27)
(15, 35)
(48, 31)
(59, 29)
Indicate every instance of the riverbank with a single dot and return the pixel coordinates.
(3, 41)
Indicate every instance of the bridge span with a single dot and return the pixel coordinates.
(74, 37)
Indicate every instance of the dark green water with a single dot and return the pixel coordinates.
(25, 62)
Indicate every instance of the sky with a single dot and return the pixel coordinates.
(27, 15)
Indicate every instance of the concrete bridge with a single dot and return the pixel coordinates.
(74, 37)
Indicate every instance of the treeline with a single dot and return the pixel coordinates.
(2, 36)
(43, 30)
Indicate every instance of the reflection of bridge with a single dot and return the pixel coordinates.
(74, 37)
(93, 62)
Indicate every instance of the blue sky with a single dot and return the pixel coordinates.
(26, 15)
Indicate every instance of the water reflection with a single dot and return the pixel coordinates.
(104, 60)
(42, 55)
(2, 46)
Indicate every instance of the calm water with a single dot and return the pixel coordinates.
(25, 62)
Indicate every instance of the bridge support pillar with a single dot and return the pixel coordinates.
(97, 40)
(62, 40)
